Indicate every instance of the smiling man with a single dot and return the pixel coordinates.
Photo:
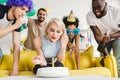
(36, 28)
(103, 18)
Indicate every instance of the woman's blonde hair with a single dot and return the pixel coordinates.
(58, 22)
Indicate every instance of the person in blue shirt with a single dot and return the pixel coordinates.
(51, 45)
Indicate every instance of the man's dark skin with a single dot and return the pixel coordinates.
(99, 8)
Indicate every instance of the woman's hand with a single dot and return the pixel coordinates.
(39, 60)
(64, 40)
(72, 48)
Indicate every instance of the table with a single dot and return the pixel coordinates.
(82, 77)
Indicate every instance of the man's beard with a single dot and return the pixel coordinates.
(102, 13)
(99, 15)
(41, 20)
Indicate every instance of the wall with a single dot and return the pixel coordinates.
(60, 8)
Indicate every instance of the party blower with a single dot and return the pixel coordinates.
(102, 44)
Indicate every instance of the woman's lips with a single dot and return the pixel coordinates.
(53, 37)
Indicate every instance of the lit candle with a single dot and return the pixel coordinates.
(52, 61)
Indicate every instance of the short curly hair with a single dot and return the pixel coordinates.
(67, 23)
(28, 3)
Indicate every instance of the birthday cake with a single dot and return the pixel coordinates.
(53, 72)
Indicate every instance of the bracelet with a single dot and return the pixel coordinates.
(62, 50)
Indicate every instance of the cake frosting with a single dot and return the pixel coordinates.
(53, 72)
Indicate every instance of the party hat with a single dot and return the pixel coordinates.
(48, 9)
(71, 17)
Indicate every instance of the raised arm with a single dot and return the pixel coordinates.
(63, 42)
(4, 31)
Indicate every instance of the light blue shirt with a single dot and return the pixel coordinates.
(50, 49)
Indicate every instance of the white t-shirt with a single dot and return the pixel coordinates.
(6, 41)
(108, 22)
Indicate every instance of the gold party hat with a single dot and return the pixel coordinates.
(71, 17)
(48, 9)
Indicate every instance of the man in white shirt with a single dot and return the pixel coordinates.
(12, 15)
(103, 18)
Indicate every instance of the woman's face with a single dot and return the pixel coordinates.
(54, 32)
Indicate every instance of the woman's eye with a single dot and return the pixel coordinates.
(52, 30)
(58, 31)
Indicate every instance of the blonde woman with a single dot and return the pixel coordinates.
(52, 44)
